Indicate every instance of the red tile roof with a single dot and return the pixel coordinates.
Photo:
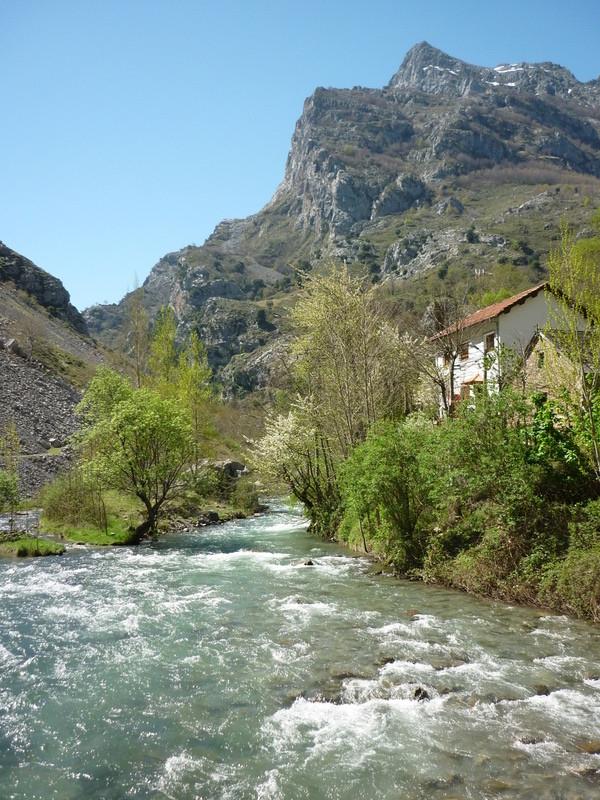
(491, 312)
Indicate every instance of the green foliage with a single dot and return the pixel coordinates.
(162, 359)
(244, 496)
(382, 490)
(9, 490)
(492, 296)
(30, 546)
(10, 454)
(471, 235)
(573, 584)
(105, 392)
(140, 447)
(192, 387)
(74, 499)
(482, 501)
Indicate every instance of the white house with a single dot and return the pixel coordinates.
(467, 350)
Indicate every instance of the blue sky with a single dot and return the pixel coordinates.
(131, 128)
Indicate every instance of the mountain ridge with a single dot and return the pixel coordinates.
(430, 69)
(385, 179)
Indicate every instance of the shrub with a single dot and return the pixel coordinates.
(71, 499)
(244, 496)
(573, 584)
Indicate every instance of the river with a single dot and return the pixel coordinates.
(216, 665)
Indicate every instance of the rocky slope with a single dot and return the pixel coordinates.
(46, 355)
(45, 289)
(452, 170)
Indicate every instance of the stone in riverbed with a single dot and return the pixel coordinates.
(208, 518)
(592, 747)
(309, 563)
(421, 694)
(541, 689)
(530, 740)
(495, 785)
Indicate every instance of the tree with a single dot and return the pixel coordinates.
(137, 442)
(294, 451)
(194, 387)
(382, 489)
(10, 456)
(349, 358)
(9, 490)
(350, 373)
(138, 334)
(163, 359)
(575, 327)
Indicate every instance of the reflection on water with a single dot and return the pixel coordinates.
(217, 665)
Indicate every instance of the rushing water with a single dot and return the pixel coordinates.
(216, 665)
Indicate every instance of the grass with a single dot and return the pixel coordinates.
(29, 546)
(118, 533)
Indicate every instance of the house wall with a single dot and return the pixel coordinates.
(517, 326)
(555, 374)
(471, 370)
(514, 329)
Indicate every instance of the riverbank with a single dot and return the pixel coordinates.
(30, 546)
(560, 585)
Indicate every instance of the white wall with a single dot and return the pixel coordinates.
(517, 326)
(513, 329)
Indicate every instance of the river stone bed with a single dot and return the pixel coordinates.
(217, 665)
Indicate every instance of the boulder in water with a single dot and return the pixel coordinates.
(309, 563)
(592, 747)
(421, 694)
(541, 689)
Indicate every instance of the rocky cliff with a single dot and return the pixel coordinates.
(39, 285)
(452, 169)
(46, 355)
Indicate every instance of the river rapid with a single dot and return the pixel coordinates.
(216, 665)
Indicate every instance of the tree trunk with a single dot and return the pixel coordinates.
(148, 526)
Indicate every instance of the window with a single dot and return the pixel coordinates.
(447, 359)
(490, 341)
(540, 359)
(464, 351)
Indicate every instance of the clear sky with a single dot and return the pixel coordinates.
(129, 128)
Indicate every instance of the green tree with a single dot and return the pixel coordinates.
(10, 457)
(383, 491)
(350, 359)
(575, 326)
(194, 387)
(350, 372)
(138, 334)
(140, 444)
(163, 357)
(9, 490)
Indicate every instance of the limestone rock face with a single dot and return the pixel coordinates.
(45, 289)
(430, 70)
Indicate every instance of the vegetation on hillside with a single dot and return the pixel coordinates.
(142, 443)
(501, 498)
(9, 469)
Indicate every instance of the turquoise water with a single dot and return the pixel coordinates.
(216, 665)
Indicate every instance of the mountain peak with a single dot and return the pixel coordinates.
(428, 69)
(425, 52)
